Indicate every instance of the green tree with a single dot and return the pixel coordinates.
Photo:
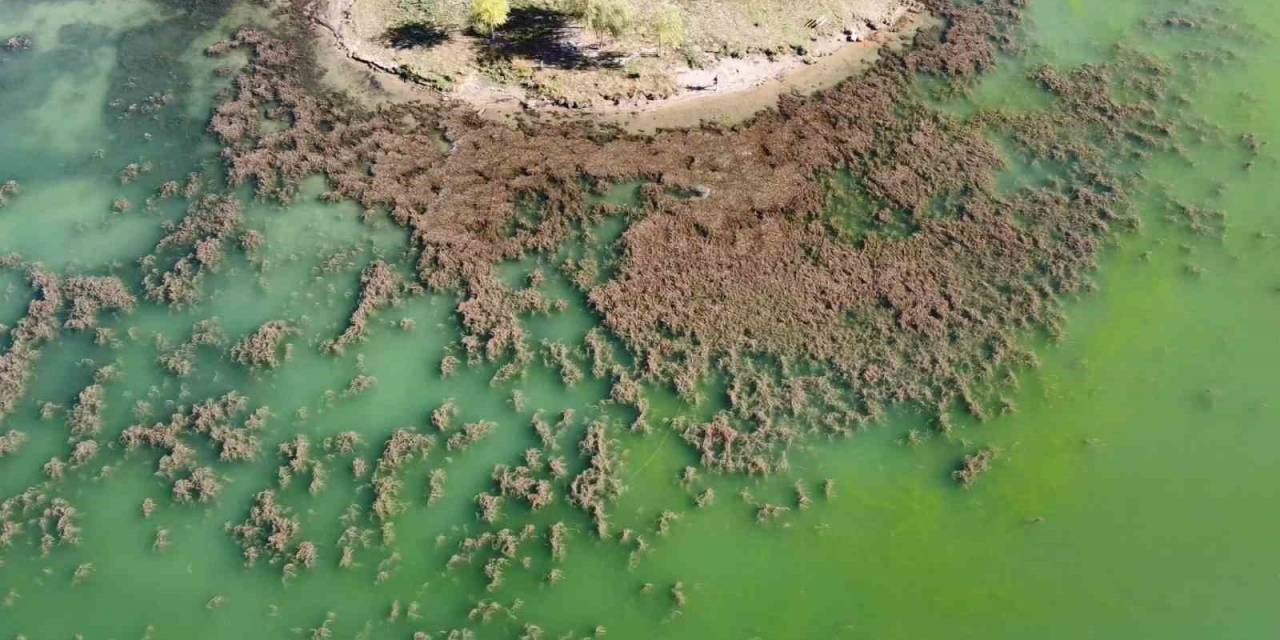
(488, 15)
(610, 17)
(669, 27)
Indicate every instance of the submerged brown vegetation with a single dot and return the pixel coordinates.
(974, 465)
(18, 42)
(215, 420)
(269, 532)
(81, 298)
(266, 347)
(11, 442)
(37, 327)
(198, 240)
(380, 287)
(7, 190)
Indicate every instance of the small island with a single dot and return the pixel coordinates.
(623, 59)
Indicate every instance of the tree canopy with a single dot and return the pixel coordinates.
(669, 26)
(610, 17)
(488, 15)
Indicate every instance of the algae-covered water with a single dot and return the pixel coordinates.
(1135, 495)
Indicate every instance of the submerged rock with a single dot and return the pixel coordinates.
(17, 43)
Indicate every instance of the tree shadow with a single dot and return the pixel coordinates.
(414, 35)
(540, 34)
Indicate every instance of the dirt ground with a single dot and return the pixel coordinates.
(728, 69)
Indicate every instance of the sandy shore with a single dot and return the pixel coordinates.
(727, 91)
(763, 85)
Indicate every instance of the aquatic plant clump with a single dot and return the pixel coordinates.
(25, 340)
(18, 43)
(380, 287)
(265, 348)
(8, 189)
(404, 445)
(35, 511)
(199, 240)
(599, 484)
(269, 532)
(82, 298)
(974, 465)
(91, 295)
(11, 442)
(215, 420)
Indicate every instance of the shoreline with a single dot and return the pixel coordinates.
(692, 108)
(731, 91)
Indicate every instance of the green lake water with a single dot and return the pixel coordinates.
(1137, 494)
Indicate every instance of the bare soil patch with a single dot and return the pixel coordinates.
(543, 61)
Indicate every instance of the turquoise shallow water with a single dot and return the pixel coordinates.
(1134, 497)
